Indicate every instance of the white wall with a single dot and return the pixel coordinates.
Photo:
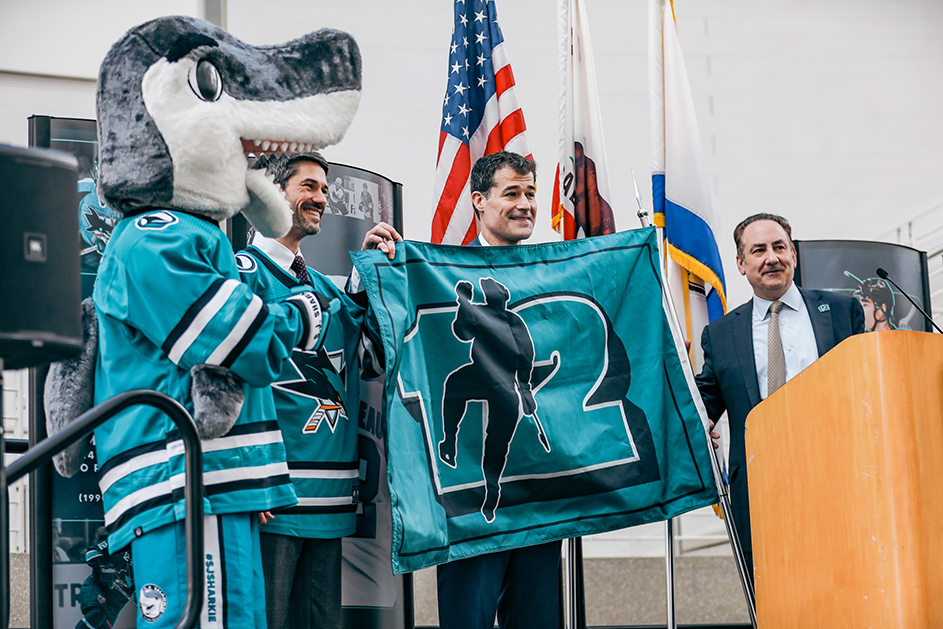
(50, 52)
(826, 112)
(65, 38)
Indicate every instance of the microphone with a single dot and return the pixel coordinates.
(883, 275)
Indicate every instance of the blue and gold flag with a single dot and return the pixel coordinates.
(533, 393)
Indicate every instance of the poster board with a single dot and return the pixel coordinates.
(77, 518)
(850, 267)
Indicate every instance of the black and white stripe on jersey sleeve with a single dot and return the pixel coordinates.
(227, 341)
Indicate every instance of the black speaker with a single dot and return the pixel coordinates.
(40, 287)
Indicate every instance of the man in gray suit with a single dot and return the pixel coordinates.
(745, 360)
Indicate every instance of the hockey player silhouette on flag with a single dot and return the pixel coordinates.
(499, 376)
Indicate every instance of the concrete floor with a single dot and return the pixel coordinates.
(633, 591)
(19, 590)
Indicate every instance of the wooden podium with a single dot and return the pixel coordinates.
(846, 488)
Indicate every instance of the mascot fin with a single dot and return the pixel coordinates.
(217, 399)
(69, 391)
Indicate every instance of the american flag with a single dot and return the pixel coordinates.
(480, 116)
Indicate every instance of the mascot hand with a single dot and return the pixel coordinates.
(315, 308)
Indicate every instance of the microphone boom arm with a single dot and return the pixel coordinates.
(883, 275)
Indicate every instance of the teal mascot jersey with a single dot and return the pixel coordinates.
(168, 298)
(181, 106)
(319, 431)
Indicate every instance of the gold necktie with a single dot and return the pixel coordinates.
(776, 365)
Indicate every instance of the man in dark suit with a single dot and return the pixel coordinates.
(745, 360)
(520, 586)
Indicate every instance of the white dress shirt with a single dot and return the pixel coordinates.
(279, 253)
(795, 331)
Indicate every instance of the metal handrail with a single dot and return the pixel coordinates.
(43, 452)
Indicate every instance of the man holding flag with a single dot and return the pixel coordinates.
(481, 117)
(520, 586)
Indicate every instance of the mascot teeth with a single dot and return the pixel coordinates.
(256, 147)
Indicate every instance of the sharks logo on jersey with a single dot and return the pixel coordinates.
(155, 221)
(314, 371)
(152, 601)
(331, 412)
(538, 391)
(96, 222)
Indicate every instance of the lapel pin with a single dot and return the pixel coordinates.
(824, 308)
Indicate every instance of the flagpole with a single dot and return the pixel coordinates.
(570, 561)
(724, 498)
(670, 571)
(660, 11)
(572, 555)
(742, 568)
(732, 534)
(643, 218)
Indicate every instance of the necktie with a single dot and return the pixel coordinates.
(300, 270)
(776, 367)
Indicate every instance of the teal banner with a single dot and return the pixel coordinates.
(533, 393)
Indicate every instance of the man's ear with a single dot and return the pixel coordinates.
(478, 202)
(740, 265)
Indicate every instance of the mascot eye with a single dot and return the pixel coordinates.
(205, 81)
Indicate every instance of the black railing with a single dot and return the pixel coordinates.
(43, 452)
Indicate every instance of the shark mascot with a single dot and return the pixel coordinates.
(180, 105)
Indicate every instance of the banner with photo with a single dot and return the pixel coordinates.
(78, 520)
(533, 393)
(357, 199)
(850, 267)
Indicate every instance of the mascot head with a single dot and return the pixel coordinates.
(181, 103)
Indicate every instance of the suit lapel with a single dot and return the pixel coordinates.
(821, 321)
(743, 350)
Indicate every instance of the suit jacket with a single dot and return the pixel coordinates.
(727, 381)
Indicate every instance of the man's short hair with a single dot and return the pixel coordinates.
(763, 216)
(283, 167)
(482, 175)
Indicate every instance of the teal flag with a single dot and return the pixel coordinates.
(533, 393)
